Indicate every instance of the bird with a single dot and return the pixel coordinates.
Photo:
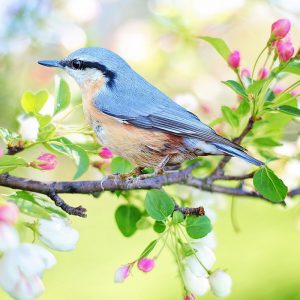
(134, 119)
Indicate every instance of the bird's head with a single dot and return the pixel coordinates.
(92, 64)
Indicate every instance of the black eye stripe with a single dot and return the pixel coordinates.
(77, 64)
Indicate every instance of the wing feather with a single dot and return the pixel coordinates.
(141, 104)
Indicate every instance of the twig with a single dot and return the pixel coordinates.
(220, 167)
(196, 211)
(294, 192)
(76, 211)
(234, 177)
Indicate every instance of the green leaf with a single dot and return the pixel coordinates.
(90, 147)
(11, 162)
(126, 217)
(159, 205)
(40, 201)
(120, 165)
(266, 142)
(281, 99)
(270, 96)
(243, 108)
(63, 96)
(43, 119)
(255, 87)
(219, 45)
(269, 185)
(292, 67)
(159, 226)
(290, 110)
(28, 205)
(198, 226)
(46, 132)
(230, 116)
(8, 136)
(177, 217)
(236, 87)
(143, 223)
(33, 103)
(148, 249)
(80, 157)
(187, 249)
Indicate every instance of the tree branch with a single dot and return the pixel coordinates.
(113, 183)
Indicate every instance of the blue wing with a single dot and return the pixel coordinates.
(141, 104)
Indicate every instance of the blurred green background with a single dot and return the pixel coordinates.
(158, 39)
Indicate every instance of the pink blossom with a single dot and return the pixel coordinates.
(122, 273)
(278, 89)
(205, 108)
(263, 73)
(246, 73)
(234, 59)
(281, 28)
(1, 152)
(294, 93)
(285, 49)
(46, 161)
(9, 213)
(146, 264)
(189, 297)
(105, 153)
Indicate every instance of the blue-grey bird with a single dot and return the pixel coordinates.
(134, 119)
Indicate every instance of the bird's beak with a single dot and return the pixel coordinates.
(51, 63)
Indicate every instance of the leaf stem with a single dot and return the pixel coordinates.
(257, 59)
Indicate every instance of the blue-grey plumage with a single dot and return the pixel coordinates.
(111, 88)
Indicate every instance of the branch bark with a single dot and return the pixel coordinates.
(112, 183)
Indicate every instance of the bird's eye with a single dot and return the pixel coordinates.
(76, 64)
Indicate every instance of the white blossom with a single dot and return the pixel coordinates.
(205, 256)
(58, 234)
(9, 237)
(29, 128)
(21, 269)
(209, 241)
(220, 283)
(197, 285)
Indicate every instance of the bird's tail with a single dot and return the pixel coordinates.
(235, 152)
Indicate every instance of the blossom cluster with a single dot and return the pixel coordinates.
(280, 41)
(22, 264)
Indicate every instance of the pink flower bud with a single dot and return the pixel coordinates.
(146, 264)
(122, 273)
(46, 161)
(285, 50)
(281, 28)
(245, 73)
(294, 93)
(234, 59)
(189, 297)
(105, 153)
(9, 213)
(277, 89)
(263, 73)
(205, 108)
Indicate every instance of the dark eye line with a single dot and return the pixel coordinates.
(110, 75)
